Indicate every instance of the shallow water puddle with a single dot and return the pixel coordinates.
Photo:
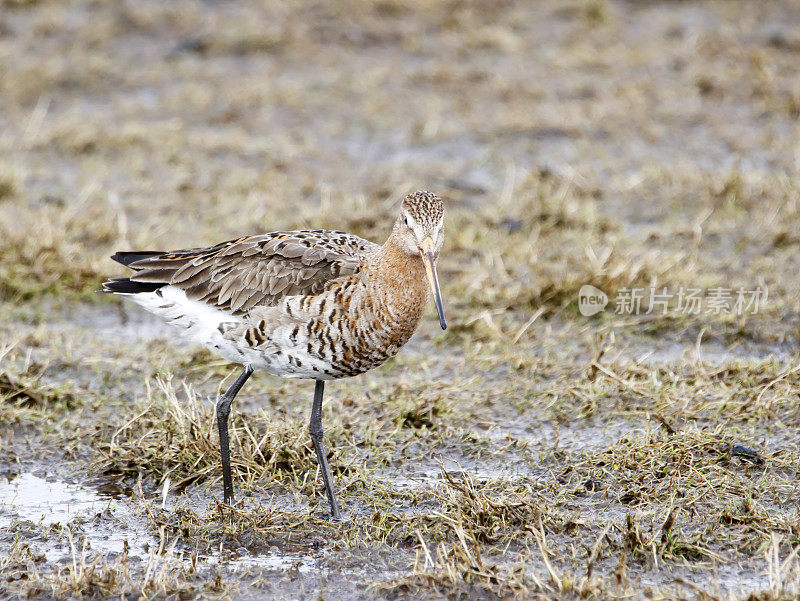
(715, 354)
(270, 560)
(109, 524)
(52, 502)
(28, 497)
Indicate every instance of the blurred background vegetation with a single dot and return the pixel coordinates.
(614, 143)
(619, 143)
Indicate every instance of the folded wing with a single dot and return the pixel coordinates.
(238, 275)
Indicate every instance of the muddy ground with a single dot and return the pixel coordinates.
(530, 451)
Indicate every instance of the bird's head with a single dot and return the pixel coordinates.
(421, 231)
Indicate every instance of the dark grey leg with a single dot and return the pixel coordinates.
(315, 427)
(223, 411)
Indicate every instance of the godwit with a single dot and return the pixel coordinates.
(315, 304)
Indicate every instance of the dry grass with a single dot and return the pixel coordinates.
(171, 434)
(171, 437)
(26, 396)
(92, 576)
(62, 258)
(684, 496)
(762, 391)
(527, 452)
(573, 523)
(536, 247)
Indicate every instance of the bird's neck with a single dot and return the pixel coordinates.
(398, 280)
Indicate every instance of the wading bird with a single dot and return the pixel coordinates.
(314, 304)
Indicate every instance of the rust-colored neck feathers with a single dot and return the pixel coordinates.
(398, 280)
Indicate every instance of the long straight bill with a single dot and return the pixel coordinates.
(426, 252)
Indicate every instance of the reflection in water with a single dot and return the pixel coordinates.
(110, 524)
(52, 502)
(28, 497)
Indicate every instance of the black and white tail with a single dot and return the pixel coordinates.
(198, 321)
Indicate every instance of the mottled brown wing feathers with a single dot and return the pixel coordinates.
(257, 270)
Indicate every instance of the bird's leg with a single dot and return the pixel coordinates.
(315, 428)
(223, 411)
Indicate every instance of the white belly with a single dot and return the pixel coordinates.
(199, 323)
